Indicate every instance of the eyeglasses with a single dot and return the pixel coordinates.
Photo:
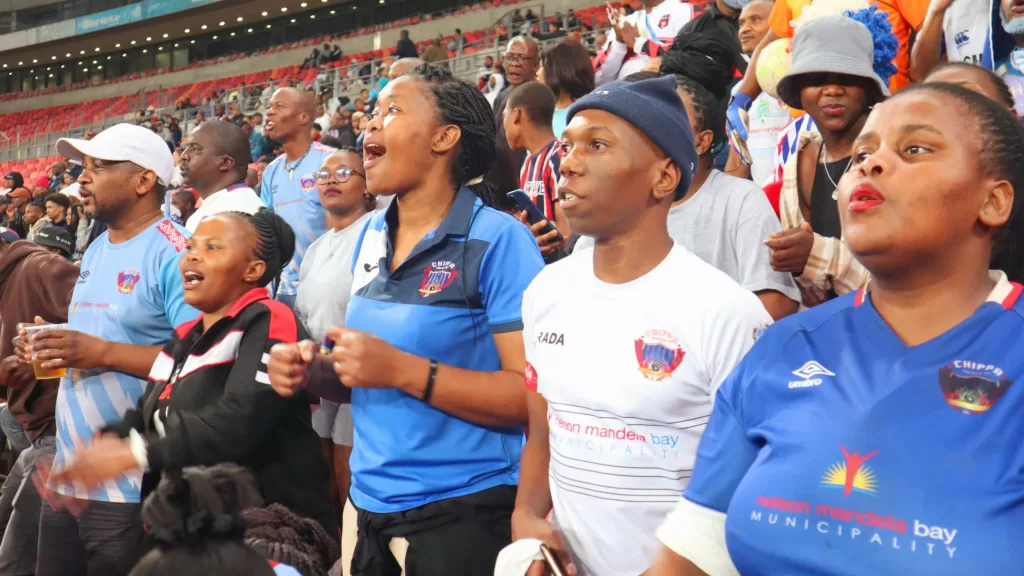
(517, 58)
(341, 175)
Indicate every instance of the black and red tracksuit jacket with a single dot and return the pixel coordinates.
(209, 401)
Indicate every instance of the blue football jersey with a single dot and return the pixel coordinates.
(834, 448)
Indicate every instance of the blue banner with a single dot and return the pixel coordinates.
(133, 13)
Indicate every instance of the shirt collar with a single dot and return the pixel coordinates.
(254, 295)
(1005, 293)
(455, 222)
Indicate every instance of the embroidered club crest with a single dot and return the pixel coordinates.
(307, 182)
(127, 279)
(437, 277)
(658, 354)
(663, 22)
(972, 387)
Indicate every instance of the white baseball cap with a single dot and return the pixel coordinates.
(123, 142)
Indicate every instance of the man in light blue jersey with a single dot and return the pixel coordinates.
(127, 301)
(289, 187)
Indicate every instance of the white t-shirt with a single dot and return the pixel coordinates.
(234, 198)
(662, 23)
(629, 372)
(965, 30)
(768, 117)
(725, 224)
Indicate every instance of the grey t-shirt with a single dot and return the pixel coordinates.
(726, 223)
(325, 285)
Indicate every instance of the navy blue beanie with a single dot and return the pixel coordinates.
(654, 108)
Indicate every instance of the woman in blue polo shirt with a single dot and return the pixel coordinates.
(879, 433)
(432, 355)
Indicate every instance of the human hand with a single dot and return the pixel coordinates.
(107, 457)
(626, 32)
(68, 349)
(527, 525)
(549, 242)
(362, 360)
(288, 366)
(734, 119)
(791, 249)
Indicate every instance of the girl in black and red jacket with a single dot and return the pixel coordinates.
(208, 400)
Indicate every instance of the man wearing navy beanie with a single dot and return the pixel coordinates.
(619, 393)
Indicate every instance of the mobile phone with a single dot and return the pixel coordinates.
(554, 566)
(533, 214)
(326, 345)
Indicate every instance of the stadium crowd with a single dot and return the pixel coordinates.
(731, 291)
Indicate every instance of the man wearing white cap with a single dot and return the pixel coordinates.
(128, 299)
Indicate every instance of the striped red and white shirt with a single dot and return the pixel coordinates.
(539, 177)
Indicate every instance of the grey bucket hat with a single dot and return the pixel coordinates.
(831, 45)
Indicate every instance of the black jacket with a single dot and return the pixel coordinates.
(209, 401)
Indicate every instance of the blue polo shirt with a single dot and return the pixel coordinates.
(292, 194)
(460, 285)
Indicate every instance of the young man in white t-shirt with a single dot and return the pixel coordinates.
(626, 343)
(215, 163)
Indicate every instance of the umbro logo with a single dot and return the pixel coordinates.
(83, 277)
(809, 375)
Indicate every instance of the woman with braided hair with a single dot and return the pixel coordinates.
(431, 357)
(208, 400)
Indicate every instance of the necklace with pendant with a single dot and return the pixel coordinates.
(291, 169)
(835, 186)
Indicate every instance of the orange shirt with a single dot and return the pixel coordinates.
(905, 16)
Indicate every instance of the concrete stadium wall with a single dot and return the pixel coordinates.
(472, 21)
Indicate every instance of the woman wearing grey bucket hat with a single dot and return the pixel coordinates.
(834, 79)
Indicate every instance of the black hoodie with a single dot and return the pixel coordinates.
(33, 282)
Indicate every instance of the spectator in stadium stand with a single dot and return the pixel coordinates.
(432, 348)
(13, 180)
(256, 121)
(40, 187)
(35, 218)
(288, 181)
(566, 69)
(185, 202)
(57, 207)
(186, 541)
(435, 52)
(325, 284)
(405, 48)
(837, 97)
(218, 112)
(56, 175)
(930, 225)
(57, 240)
(528, 127)
(620, 193)
(257, 143)
(315, 132)
(521, 62)
(132, 270)
(341, 127)
(195, 124)
(626, 51)
(14, 213)
(214, 164)
(235, 114)
(33, 282)
(206, 401)
(403, 66)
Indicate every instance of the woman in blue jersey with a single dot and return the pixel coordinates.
(431, 356)
(878, 433)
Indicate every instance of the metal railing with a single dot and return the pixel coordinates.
(251, 98)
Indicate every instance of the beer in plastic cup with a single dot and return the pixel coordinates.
(40, 372)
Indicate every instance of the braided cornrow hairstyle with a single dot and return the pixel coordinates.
(463, 105)
(1001, 151)
(194, 517)
(703, 58)
(275, 242)
(281, 535)
(1005, 96)
(708, 112)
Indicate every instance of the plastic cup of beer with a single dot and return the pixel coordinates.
(40, 372)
